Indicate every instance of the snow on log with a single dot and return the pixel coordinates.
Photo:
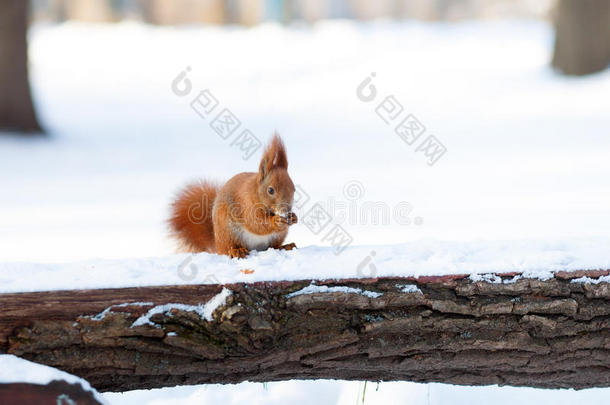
(25, 383)
(503, 329)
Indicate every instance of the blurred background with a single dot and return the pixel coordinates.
(99, 128)
(95, 139)
(253, 12)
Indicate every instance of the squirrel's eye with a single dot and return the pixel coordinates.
(271, 190)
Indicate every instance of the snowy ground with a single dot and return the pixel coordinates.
(535, 259)
(527, 155)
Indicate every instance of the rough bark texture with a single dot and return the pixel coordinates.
(582, 36)
(16, 107)
(518, 331)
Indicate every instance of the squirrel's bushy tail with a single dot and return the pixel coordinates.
(191, 217)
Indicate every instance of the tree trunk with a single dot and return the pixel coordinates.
(16, 107)
(517, 331)
(582, 36)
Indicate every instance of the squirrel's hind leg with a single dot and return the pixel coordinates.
(239, 252)
(287, 246)
(278, 244)
(226, 246)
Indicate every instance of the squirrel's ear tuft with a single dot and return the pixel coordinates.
(279, 152)
(274, 156)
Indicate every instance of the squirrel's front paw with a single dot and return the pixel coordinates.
(238, 252)
(278, 223)
(291, 218)
(288, 246)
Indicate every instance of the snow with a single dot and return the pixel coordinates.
(17, 370)
(349, 393)
(495, 279)
(106, 311)
(315, 289)
(589, 280)
(409, 288)
(523, 185)
(482, 259)
(217, 301)
(204, 310)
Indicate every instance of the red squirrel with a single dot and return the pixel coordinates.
(251, 211)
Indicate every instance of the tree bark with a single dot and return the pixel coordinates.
(516, 331)
(582, 36)
(16, 107)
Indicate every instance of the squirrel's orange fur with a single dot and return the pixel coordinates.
(251, 211)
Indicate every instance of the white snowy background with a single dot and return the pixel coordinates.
(527, 155)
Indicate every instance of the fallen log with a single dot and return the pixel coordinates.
(501, 329)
